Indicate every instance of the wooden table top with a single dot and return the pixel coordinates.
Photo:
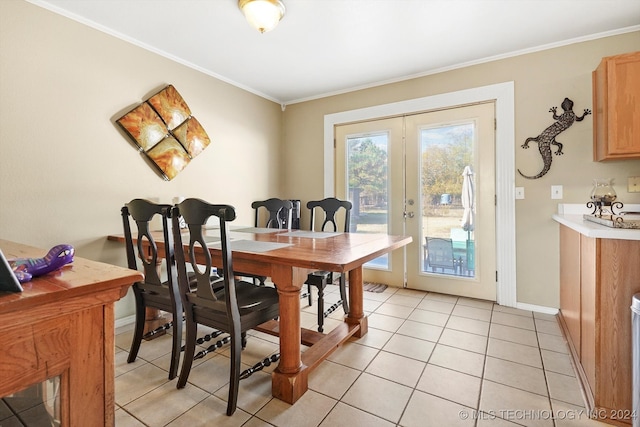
(339, 252)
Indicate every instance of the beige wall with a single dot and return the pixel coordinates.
(542, 80)
(65, 169)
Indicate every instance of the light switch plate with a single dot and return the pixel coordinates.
(634, 184)
(519, 193)
(556, 191)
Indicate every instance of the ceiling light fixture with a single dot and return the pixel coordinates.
(264, 15)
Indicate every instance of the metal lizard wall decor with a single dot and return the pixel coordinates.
(548, 136)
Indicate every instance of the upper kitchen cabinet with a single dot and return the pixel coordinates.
(616, 101)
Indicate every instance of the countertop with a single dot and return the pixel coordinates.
(571, 216)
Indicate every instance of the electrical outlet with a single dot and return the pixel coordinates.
(519, 193)
(634, 184)
(556, 191)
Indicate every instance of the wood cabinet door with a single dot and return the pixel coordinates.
(616, 100)
(589, 268)
(570, 280)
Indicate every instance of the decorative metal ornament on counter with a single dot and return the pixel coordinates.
(603, 200)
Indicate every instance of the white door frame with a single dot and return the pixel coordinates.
(503, 94)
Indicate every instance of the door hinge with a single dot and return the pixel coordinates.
(495, 124)
(495, 200)
(496, 275)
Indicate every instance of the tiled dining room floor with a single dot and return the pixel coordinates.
(428, 360)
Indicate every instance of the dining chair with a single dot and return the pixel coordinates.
(270, 213)
(236, 308)
(440, 254)
(274, 210)
(320, 279)
(152, 292)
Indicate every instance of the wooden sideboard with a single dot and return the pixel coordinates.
(598, 277)
(62, 325)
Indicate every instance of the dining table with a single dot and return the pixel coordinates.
(287, 257)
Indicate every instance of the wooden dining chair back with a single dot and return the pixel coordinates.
(329, 207)
(153, 291)
(270, 213)
(236, 308)
(271, 210)
(440, 254)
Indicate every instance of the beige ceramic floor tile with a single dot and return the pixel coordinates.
(513, 320)
(395, 310)
(407, 301)
(548, 327)
(256, 422)
(567, 415)
(212, 374)
(210, 412)
(410, 347)
(354, 355)
(165, 403)
(436, 305)
(451, 299)
(472, 326)
(428, 410)
(472, 312)
(477, 303)
(123, 419)
(516, 375)
(375, 338)
(331, 379)
(254, 392)
(518, 406)
(430, 317)
(518, 335)
(410, 293)
(490, 420)
(564, 388)
(545, 316)
(557, 362)
(383, 398)
(451, 385)
(464, 340)
(511, 310)
(553, 343)
(308, 411)
(386, 323)
(137, 382)
(396, 368)
(121, 364)
(514, 352)
(457, 359)
(420, 330)
(346, 416)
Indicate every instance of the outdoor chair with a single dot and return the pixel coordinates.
(440, 254)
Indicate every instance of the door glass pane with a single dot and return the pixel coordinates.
(368, 185)
(447, 159)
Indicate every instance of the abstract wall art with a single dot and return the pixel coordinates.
(164, 130)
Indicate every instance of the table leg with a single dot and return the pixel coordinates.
(289, 380)
(356, 311)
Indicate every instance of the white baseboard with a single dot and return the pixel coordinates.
(536, 308)
(125, 321)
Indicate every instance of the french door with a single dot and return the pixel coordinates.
(432, 176)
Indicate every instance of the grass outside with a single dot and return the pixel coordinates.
(438, 222)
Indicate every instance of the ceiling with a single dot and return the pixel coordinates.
(324, 47)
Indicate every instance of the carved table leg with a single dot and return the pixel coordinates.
(356, 311)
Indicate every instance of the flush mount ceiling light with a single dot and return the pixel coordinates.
(264, 15)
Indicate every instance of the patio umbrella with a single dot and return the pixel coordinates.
(467, 199)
